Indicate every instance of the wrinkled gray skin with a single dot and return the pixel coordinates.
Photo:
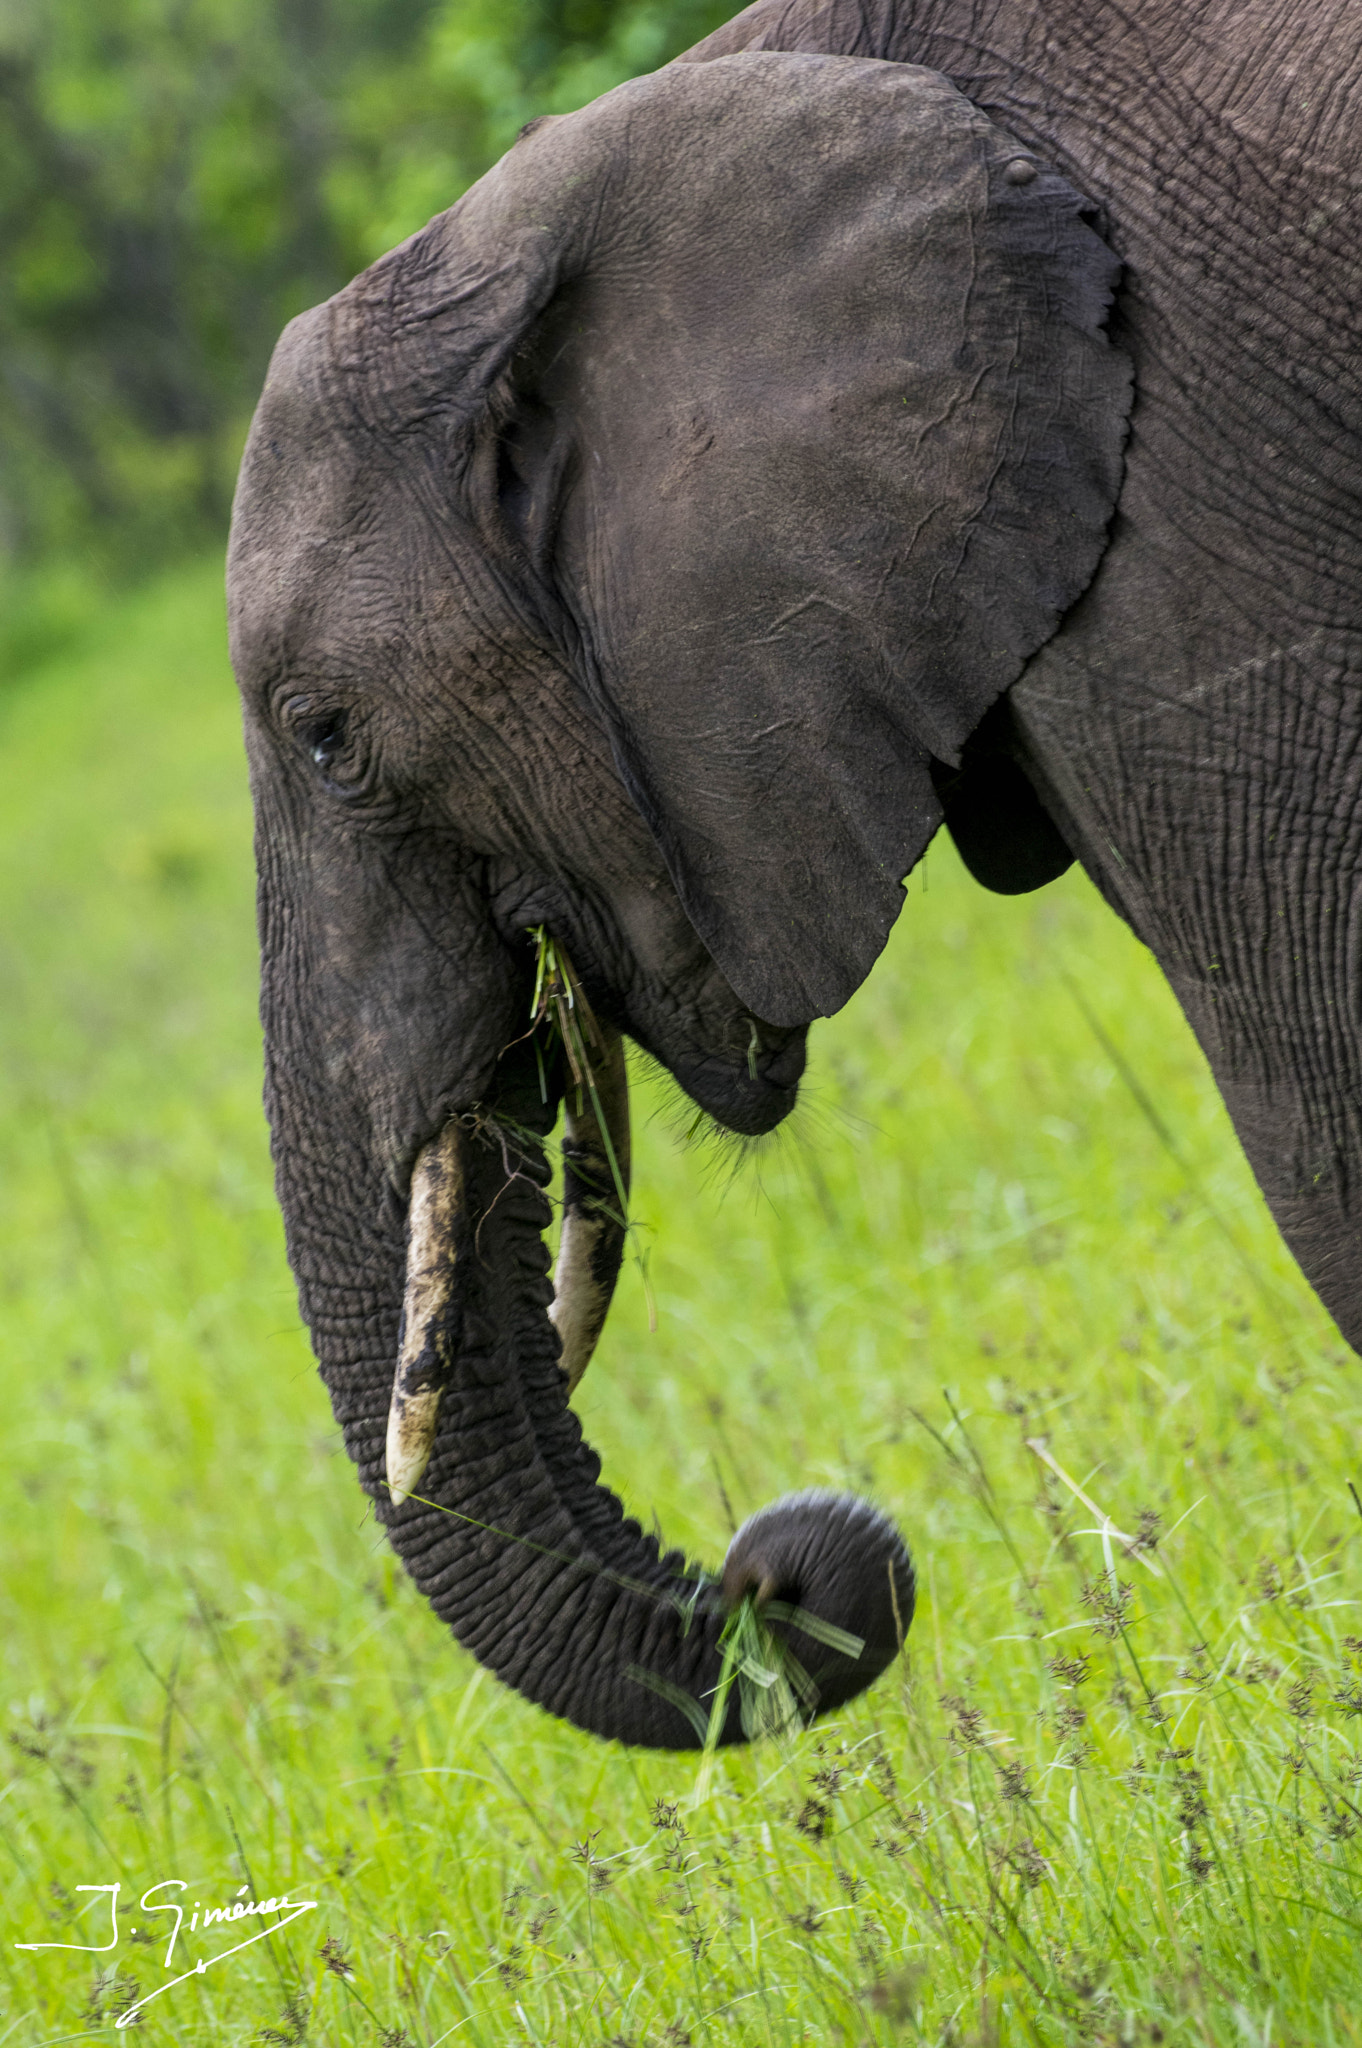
(657, 546)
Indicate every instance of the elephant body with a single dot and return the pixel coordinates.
(1194, 727)
(741, 478)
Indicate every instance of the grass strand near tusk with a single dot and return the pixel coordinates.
(559, 1008)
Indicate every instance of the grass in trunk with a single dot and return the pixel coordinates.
(1007, 1273)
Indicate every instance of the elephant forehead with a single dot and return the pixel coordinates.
(303, 501)
(328, 552)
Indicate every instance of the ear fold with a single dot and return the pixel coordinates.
(845, 434)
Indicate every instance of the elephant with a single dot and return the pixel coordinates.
(889, 413)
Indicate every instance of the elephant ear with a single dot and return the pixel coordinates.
(816, 431)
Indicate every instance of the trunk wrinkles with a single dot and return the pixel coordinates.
(532, 1562)
(578, 1593)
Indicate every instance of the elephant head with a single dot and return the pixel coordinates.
(628, 557)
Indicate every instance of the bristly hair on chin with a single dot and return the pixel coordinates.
(727, 1157)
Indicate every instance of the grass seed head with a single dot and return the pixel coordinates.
(1339, 1823)
(111, 1994)
(335, 1959)
(291, 2031)
(813, 1819)
(1025, 1861)
(1198, 1669)
(965, 1730)
(1071, 1670)
(1300, 1699)
(1267, 1578)
(1013, 1782)
(1109, 1599)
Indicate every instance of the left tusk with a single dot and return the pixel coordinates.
(594, 1222)
(435, 1217)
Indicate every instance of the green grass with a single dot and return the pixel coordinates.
(1070, 1815)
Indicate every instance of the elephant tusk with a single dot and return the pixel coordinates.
(434, 1219)
(594, 1219)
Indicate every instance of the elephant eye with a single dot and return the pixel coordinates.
(326, 740)
(322, 729)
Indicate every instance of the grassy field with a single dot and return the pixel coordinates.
(1111, 1795)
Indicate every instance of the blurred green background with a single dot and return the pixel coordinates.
(177, 179)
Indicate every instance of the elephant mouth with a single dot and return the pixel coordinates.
(753, 1098)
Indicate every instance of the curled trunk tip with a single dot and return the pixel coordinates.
(837, 1560)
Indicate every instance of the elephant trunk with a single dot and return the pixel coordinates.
(509, 1534)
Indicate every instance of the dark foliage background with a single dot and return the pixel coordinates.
(179, 177)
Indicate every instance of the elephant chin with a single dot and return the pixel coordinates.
(495, 1505)
(752, 1102)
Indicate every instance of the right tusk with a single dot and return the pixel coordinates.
(594, 1219)
(434, 1229)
